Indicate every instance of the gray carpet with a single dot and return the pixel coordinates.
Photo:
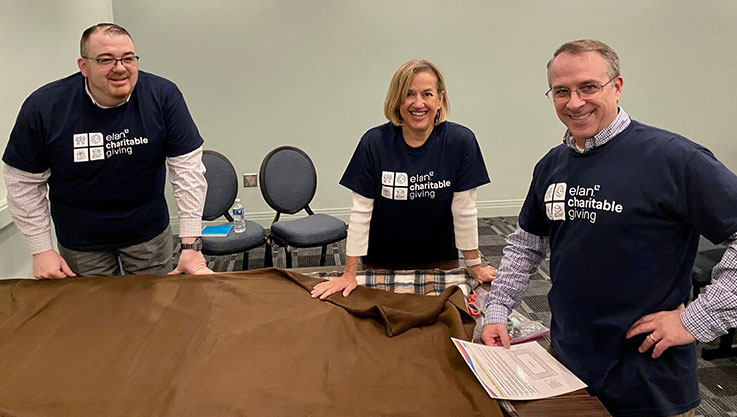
(717, 378)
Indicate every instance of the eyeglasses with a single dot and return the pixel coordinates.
(586, 91)
(127, 61)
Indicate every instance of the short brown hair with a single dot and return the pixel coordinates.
(399, 86)
(587, 45)
(107, 28)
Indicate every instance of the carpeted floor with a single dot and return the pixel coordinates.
(717, 378)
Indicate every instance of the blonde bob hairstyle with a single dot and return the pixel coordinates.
(399, 86)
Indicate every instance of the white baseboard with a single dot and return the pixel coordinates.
(5, 218)
(490, 208)
(497, 208)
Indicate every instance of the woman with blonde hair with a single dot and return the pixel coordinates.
(414, 183)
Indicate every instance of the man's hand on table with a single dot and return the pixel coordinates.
(191, 262)
(50, 265)
(665, 329)
(484, 274)
(495, 335)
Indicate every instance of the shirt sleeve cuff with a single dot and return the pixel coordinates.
(190, 227)
(40, 243)
(697, 321)
(496, 314)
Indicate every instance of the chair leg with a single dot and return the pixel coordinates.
(288, 255)
(244, 266)
(268, 260)
(323, 255)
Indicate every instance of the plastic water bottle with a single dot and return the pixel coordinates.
(239, 219)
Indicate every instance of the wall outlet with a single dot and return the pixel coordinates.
(250, 180)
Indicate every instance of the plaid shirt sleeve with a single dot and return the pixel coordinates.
(522, 257)
(715, 310)
(187, 177)
(29, 207)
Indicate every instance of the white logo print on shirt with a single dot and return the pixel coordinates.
(581, 202)
(91, 146)
(555, 207)
(388, 180)
(400, 186)
(88, 147)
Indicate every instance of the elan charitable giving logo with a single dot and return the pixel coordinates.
(92, 146)
(563, 203)
(400, 186)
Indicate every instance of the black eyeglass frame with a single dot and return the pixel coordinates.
(114, 61)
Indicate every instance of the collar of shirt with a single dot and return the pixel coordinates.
(615, 127)
(87, 89)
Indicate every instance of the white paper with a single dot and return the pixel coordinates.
(524, 372)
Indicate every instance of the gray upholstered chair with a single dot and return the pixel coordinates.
(222, 189)
(288, 182)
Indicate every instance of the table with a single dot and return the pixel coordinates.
(573, 404)
(240, 343)
(206, 345)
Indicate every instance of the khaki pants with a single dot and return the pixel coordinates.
(151, 257)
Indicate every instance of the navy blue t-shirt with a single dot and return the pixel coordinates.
(624, 221)
(412, 189)
(106, 186)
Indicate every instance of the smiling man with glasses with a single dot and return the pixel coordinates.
(110, 79)
(621, 205)
(101, 140)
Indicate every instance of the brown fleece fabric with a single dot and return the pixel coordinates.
(239, 344)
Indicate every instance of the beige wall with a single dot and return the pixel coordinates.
(258, 74)
(39, 42)
(262, 73)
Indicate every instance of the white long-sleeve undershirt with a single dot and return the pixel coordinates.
(29, 207)
(465, 222)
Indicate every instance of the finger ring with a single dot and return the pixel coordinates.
(650, 336)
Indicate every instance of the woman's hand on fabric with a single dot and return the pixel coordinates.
(346, 282)
(484, 274)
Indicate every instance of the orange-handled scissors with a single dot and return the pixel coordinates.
(473, 308)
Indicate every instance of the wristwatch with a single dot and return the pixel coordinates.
(196, 245)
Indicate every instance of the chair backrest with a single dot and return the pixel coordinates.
(287, 179)
(222, 185)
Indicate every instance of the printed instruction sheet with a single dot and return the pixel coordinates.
(524, 372)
